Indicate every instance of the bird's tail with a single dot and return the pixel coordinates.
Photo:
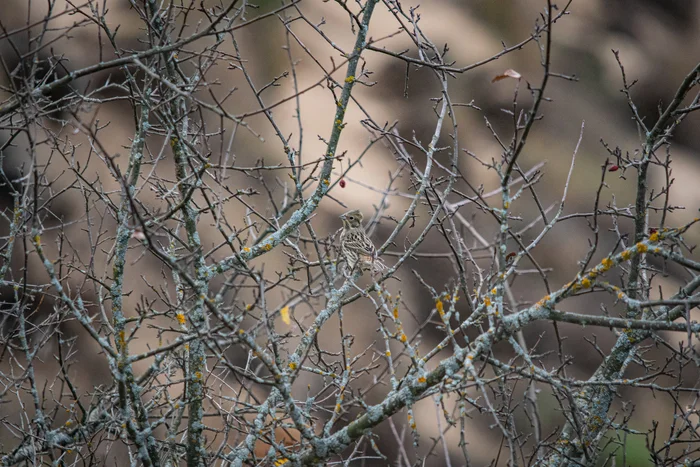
(378, 265)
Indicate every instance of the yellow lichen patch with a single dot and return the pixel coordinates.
(411, 422)
(268, 247)
(625, 255)
(654, 237)
(620, 295)
(421, 380)
(607, 264)
(395, 312)
(350, 79)
(494, 291)
(487, 301)
(403, 338)
(180, 318)
(246, 250)
(439, 307)
(585, 283)
(292, 366)
(641, 248)
(387, 353)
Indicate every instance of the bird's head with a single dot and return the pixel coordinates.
(352, 219)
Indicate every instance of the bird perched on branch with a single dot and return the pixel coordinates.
(355, 246)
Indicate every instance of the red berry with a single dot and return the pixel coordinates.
(342, 183)
(614, 168)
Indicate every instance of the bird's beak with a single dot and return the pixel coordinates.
(342, 216)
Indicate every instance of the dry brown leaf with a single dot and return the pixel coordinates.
(509, 73)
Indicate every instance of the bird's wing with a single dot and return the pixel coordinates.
(362, 244)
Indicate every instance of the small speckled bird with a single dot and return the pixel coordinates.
(355, 245)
